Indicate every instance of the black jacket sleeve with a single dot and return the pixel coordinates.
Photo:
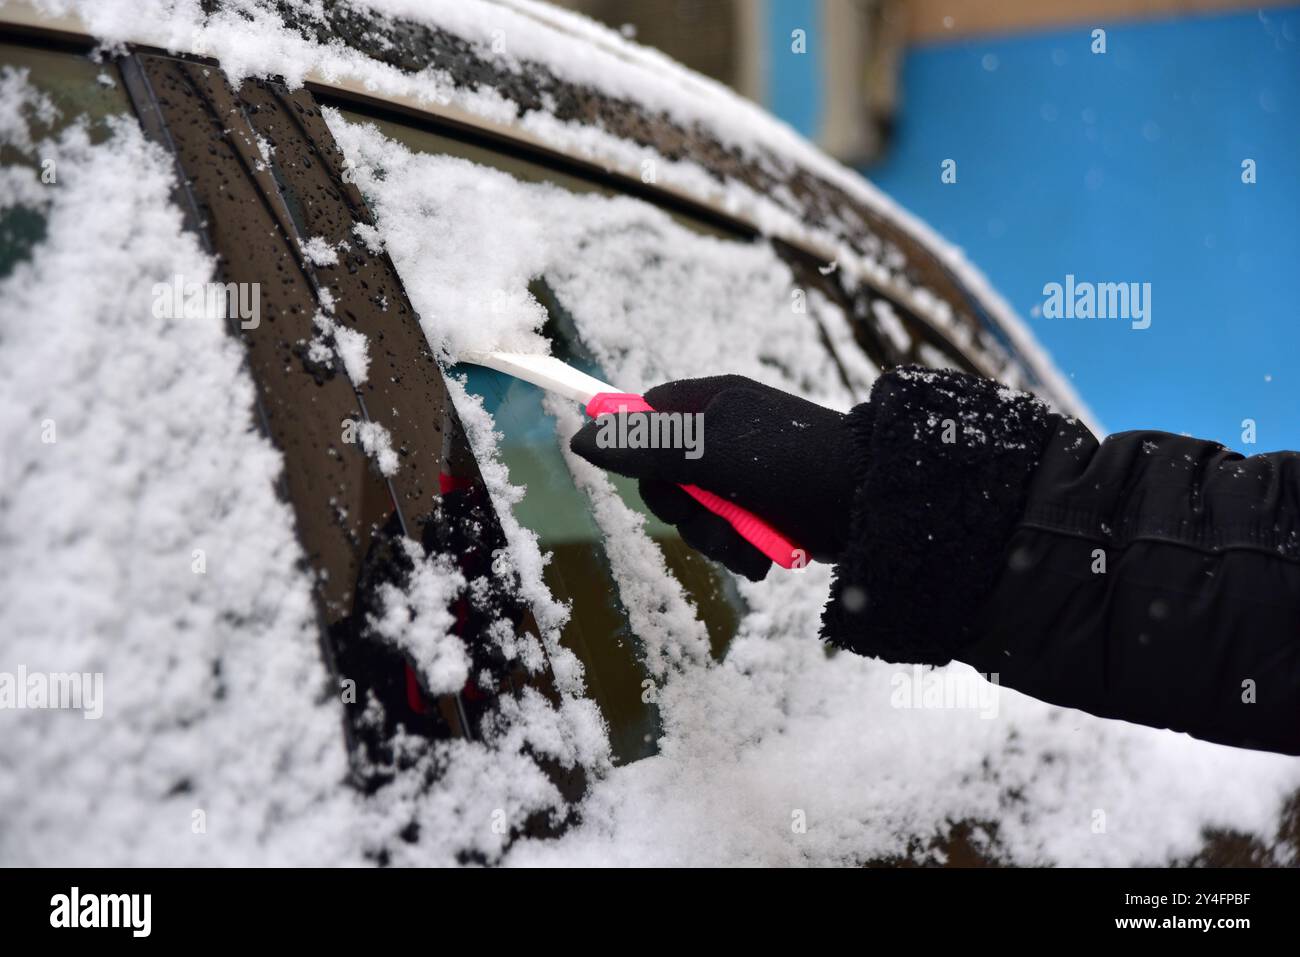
(1151, 577)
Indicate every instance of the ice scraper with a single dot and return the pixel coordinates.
(600, 398)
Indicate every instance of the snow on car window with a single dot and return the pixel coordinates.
(143, 544)
(671, 623)
(781, 753)
(142, 541)
(684, 303)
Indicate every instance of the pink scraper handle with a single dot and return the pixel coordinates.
(748, 525)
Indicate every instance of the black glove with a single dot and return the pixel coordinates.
(787, 460)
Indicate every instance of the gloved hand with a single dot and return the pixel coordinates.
(787, 460)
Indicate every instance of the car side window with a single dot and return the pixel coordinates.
(50, 91)
(600, 629)
(632, 293)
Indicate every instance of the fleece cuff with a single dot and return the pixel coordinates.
(942, 465)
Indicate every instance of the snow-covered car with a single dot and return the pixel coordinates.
(338, 597)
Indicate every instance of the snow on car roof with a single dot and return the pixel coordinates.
(561, 81)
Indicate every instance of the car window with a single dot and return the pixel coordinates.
(598, 630)
(60, 89)
(634, 294)
(559, 512)
(76, 86)
(579, 573)
(353, 613)
(375, 461)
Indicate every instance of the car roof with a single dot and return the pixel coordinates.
(536, 77)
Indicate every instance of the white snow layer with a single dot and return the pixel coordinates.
(378, 444)
(350, 345)
(141, 538)
(317, 249)
(417, 619)
(782, 754)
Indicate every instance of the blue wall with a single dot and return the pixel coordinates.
(794, 80)
(1126, 166)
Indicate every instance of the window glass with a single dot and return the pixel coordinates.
(76, 86)
(579, 574)
(560, 513)
(49, 91)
